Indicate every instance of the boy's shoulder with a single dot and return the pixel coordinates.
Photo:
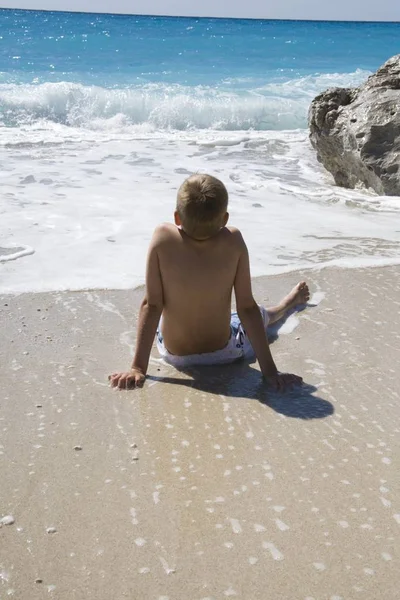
(166, 233)
(236, 237)
(165, 228)
(235, 232)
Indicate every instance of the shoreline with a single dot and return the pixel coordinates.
(339, 264)
(202, 484)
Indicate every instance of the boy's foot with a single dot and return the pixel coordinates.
(300, 294)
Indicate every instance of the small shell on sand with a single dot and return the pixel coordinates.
(7, 520)
(135, 453)
(51, 530)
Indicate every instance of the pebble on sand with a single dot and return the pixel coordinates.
(51, 530)
(7, 520)
(77, 448)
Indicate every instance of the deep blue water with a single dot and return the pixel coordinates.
(80, 47)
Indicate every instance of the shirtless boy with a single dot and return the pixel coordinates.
(192, 268)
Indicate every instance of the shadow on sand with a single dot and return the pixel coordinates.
(240, 380)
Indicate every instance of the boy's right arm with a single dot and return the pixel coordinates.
(149, 317)
(250, 317)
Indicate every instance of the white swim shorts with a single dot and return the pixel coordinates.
(237, 347)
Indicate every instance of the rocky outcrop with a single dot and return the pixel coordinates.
(356, 132)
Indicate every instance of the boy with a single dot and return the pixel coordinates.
(192, 268)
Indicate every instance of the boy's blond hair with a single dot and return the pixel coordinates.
(201, 205)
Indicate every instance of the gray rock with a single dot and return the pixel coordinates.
(356, 132)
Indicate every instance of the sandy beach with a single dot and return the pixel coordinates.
(202, 485)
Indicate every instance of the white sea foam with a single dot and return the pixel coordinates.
(86, 203)
(291, 323)
(277, 105)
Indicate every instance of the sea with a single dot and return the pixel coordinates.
(103, 116)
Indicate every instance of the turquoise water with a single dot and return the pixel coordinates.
(179, 72)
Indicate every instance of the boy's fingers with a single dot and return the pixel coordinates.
(126, 381)
(273, 383)
(113, 376)
(121, 384)
(139, 380)
(296, 380)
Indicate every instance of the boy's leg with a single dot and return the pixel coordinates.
(300, 294)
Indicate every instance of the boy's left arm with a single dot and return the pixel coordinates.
(149, 317)
(250, 316)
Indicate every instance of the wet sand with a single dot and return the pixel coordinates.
(202, 486)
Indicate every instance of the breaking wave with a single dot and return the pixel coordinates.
(274, 106)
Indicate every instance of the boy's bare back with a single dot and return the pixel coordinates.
(196, 279)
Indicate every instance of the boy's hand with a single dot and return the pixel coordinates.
(127, 381)
(281, 382)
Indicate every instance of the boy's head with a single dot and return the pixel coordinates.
(201, 207)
